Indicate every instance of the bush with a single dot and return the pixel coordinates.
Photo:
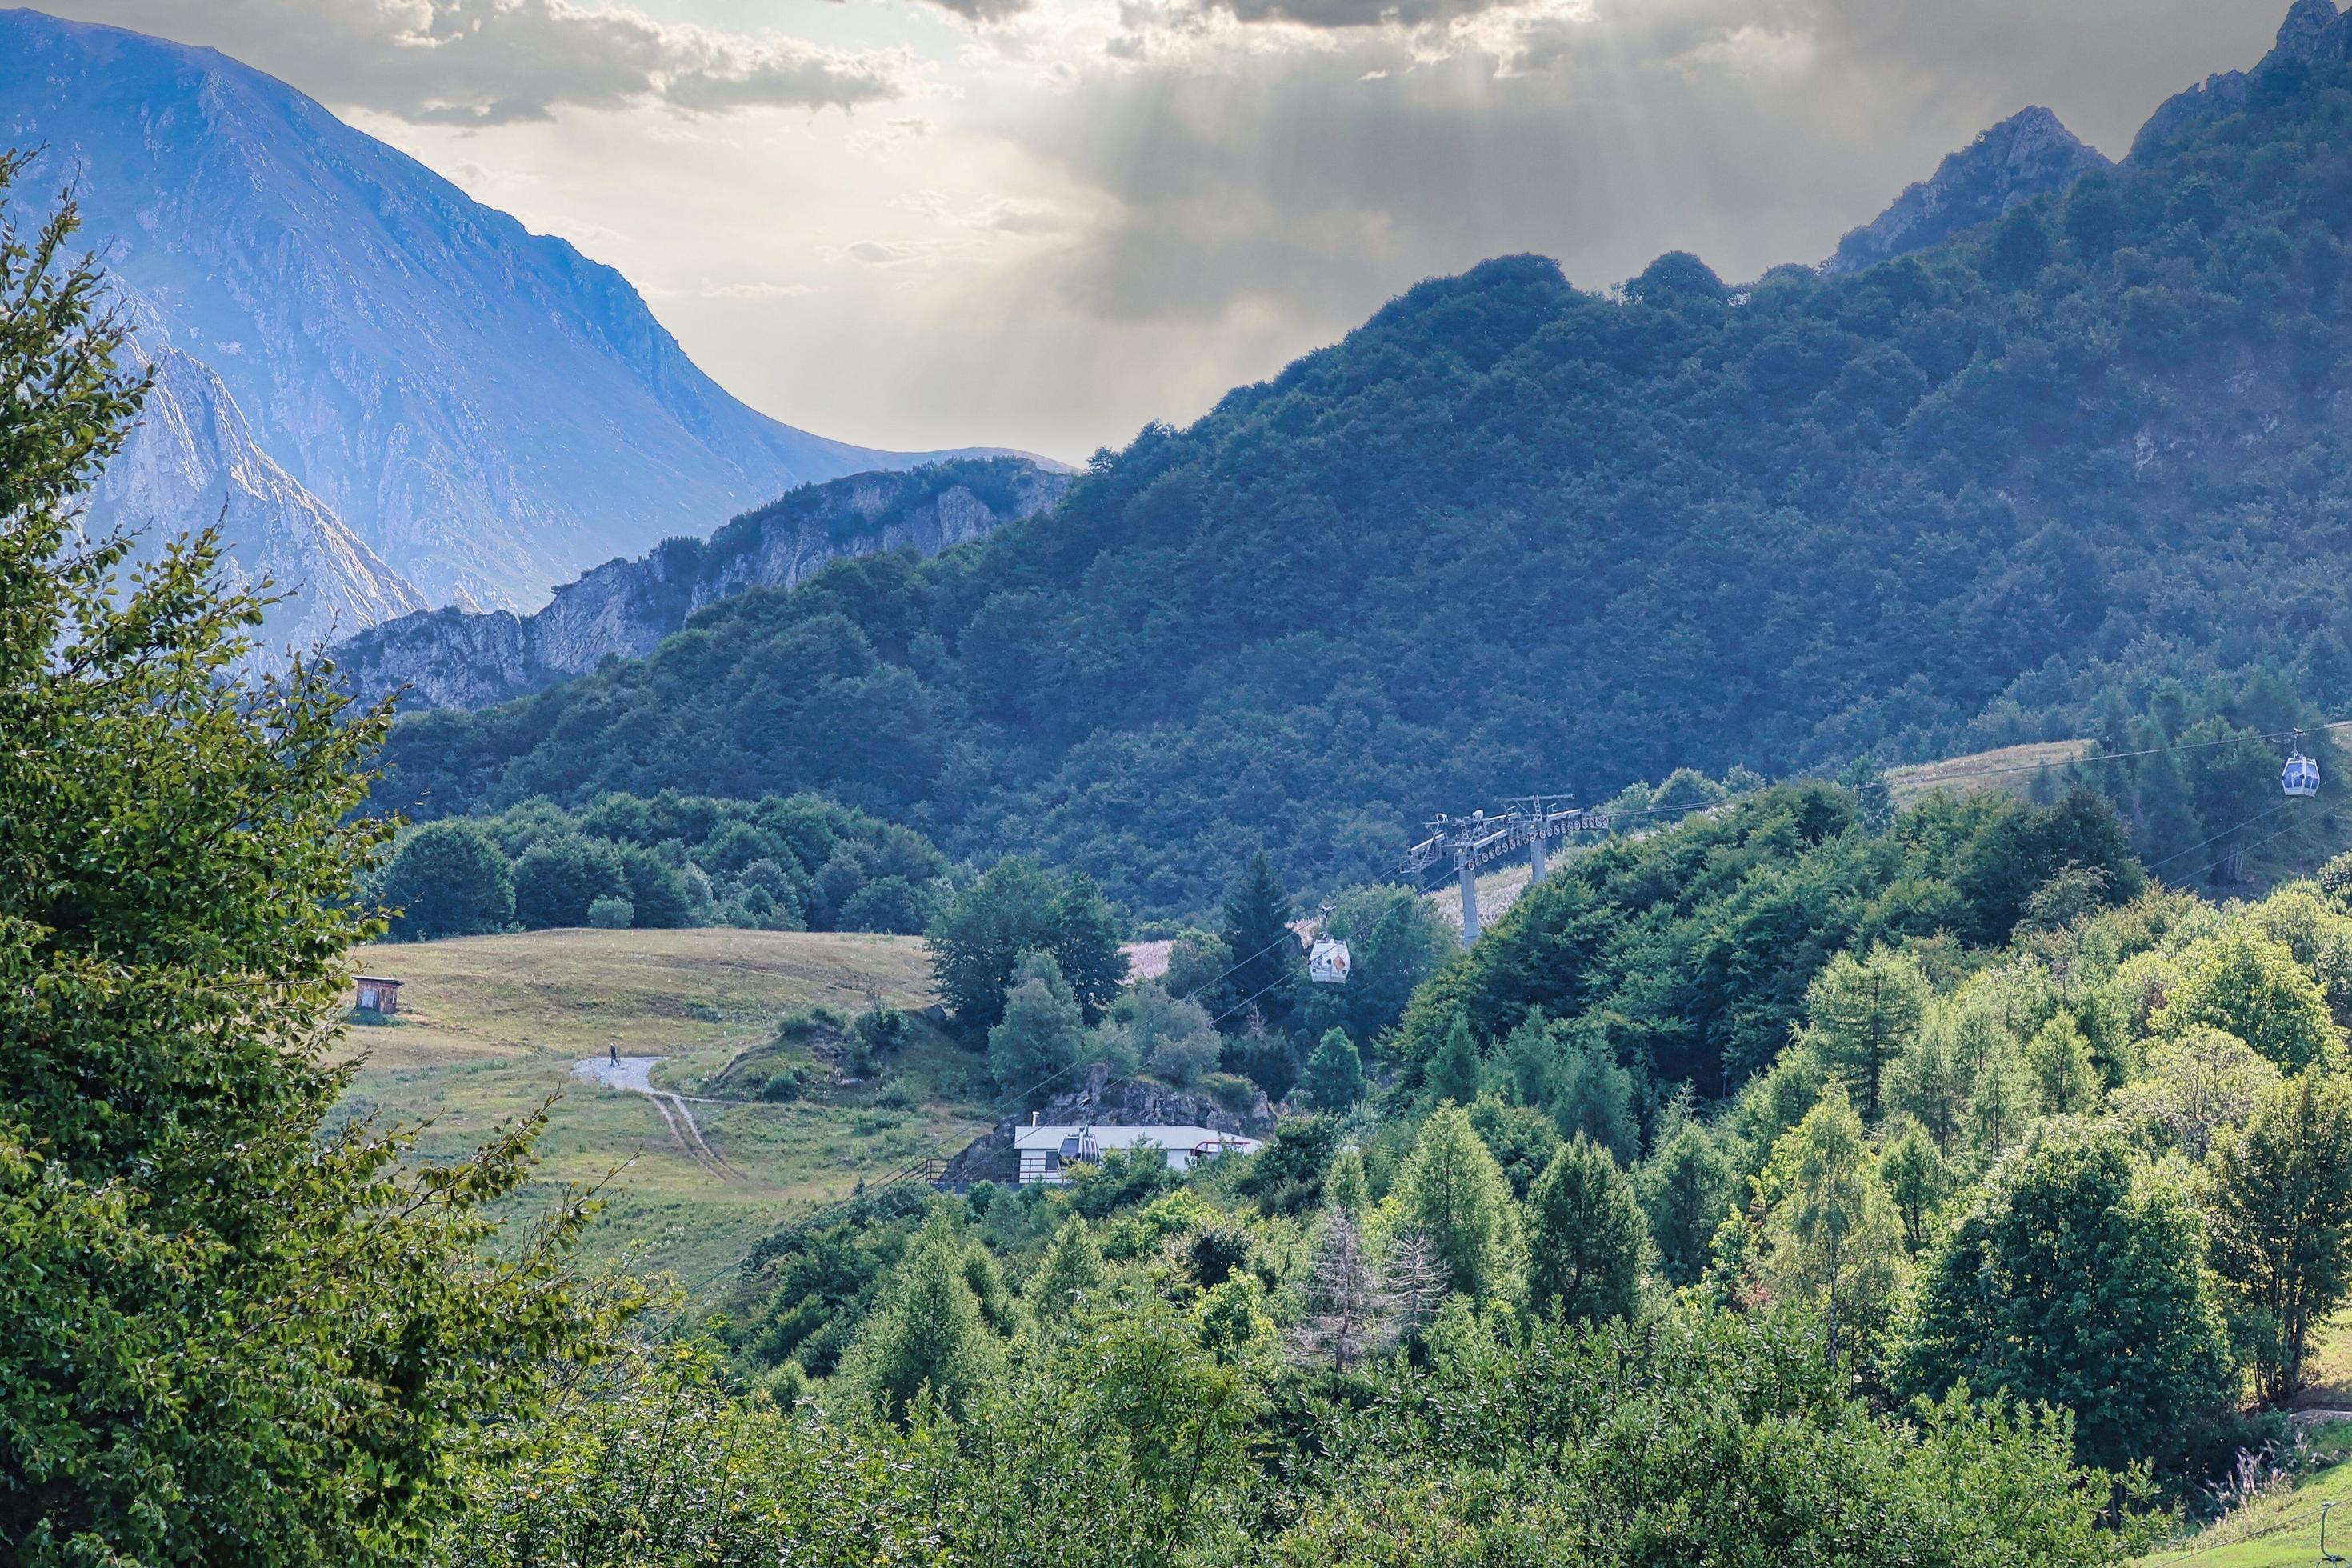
(448, 879)
(559, 876)
(612, 914)
(789, 1084)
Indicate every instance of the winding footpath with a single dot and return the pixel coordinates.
(634, 1075)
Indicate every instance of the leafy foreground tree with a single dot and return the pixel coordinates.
(2077, 1277)
(227, 1334)
(1703, 1442)
(2280, 1202)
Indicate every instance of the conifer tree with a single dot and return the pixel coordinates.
(1451, 1190)
(230, 1330)
(2065, 1078)
(1455, 1073)
(1267, 961)
(1072, 1266)
(1335, 1073)
(1915, 1180)
(1830, 1236)
(1686, 1189)
(1862, 1014)
(1586, 1237)
(1349, 1316)
(927, 1332)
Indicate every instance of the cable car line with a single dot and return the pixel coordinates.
(2152, 865)
(2150, 751)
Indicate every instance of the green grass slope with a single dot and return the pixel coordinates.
(492, 1025)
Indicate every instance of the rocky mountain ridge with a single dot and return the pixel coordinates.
(488, 409)
(454, 658)
(191, 461)
(2026, 155)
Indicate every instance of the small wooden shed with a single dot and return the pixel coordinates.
(378, 994)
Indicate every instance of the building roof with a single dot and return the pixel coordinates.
(376, 980)
(1051, 1137)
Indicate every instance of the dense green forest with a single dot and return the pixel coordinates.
(1804, 1182)
(1512, 536)
(779, 863)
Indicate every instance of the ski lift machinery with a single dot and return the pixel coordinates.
(2300, 778)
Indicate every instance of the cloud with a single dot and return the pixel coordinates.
(493, 62)
(1220, 176)
(982, 12)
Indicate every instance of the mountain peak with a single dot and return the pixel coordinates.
(2029, 153)
(2304, 35)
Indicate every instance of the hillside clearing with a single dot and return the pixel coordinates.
(492, 1025)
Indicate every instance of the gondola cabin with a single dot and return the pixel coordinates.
(1328, 962)
(2300, 777)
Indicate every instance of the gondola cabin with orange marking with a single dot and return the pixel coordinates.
(378, 994)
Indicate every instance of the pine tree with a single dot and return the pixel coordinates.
(1586, 1237)
(1268, 963)
(2166, 830)
(1451, 1189)
(1455, 1073)
(1335, 1073)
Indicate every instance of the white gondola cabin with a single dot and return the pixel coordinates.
(2300, 777)
(1328, 962)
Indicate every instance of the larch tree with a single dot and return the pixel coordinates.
(1832, 1238)
(1863, 1012)
(1451, 1190)
(927, 1333)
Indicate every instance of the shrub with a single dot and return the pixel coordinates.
(612, 914)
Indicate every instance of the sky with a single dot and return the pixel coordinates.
(1040, 224)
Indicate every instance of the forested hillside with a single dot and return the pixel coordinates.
(1511, 535)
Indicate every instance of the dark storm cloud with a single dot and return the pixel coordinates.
(487, 62)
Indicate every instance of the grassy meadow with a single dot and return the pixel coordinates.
(490, 1026)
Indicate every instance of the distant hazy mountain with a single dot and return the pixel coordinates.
(2027, 155)
(487, 408)
(191, 462)
(451, 659)
(1510, 537)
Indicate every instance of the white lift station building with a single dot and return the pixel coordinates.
(1046, 1153)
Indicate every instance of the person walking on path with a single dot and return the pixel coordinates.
(614, 1051)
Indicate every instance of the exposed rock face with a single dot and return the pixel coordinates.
(191, 462)
(2022, 157)
(490, 410)
(451, 659)
(2313, 33)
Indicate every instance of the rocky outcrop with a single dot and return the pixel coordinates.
(2312, 34)
(488, 409)
(2026, 155)
(453, 658)
(191, 462)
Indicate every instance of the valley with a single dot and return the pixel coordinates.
(760, 1000)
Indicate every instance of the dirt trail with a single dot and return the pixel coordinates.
(634, 1075)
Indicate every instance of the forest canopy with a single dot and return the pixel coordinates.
(1513, 536)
